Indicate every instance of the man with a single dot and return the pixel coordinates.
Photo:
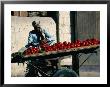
(38, 35)
(35, 38)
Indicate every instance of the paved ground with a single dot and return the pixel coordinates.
(85, 71)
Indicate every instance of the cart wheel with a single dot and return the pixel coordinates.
(65, 73)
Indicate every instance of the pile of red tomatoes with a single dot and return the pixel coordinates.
(61, 46)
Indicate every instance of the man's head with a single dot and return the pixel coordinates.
(36, 25)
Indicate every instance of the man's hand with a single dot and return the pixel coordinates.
(44, 41)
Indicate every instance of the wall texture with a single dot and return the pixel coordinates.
(65, 33)
(88, 24)
(22, 25)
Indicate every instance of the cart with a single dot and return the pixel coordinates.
(38, 67)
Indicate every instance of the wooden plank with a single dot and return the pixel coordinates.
(60, 53)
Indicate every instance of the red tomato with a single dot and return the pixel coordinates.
(72, 45)
(98, 42)
(83, 43)
(78, 44)
(46, 49)
(65, 43)
(28, 51)
(78, 41)
(36, 50)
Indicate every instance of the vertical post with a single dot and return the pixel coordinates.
(75, 60)
(57, 34)
(57, 26)
(75, 63)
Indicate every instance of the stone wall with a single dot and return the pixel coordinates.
(65, 33)
(20, 27)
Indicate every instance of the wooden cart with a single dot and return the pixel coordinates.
(50, 71)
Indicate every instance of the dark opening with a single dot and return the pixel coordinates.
(12, 13)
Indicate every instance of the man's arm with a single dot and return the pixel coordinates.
(31, 40)
(49, 38)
